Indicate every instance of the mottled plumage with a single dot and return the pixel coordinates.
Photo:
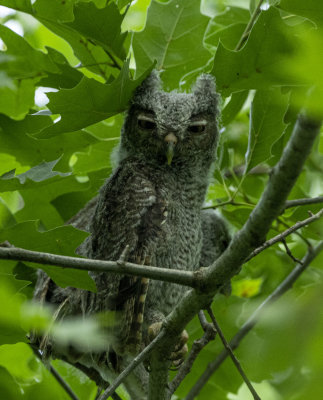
(152, 203)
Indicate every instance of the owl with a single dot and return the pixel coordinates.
(150, 211)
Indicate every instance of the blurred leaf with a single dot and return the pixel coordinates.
(21, 5)
(90, 101)
(9, 388)
(266, 125)
(246, 287)
(177, 27)
(63, 240)
(57, 10)
(312, 9)
(255, 65)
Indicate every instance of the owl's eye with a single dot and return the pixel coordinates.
(197, 127)
(146, 123)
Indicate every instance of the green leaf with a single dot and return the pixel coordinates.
(67, 77)
(176, 27)
(19, 5)
(311, 9)
(34, 176)
(9, 388)
(266, 125)
(103, 26)
(62, 240)
(233, 107)
(229, 36)
(16, 359)
(57, 10)
(91, 101)
(16, 101)
(16, 139)
(25, 62)
(255, 66)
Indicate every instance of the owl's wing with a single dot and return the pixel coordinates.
(129, 212)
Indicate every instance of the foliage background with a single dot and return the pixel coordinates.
(55, 156)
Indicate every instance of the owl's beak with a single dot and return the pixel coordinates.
(171, 141)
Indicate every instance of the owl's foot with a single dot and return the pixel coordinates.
(178, 355)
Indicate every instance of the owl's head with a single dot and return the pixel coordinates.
(171, 128)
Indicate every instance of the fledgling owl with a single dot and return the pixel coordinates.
(151, 205)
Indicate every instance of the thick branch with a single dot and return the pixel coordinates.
(253, 319)
(251, 235)
(185, 278)
(272, 201)
(282, 235)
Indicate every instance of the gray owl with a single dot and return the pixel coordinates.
(151, 206)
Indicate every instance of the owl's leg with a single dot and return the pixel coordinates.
(178, 355)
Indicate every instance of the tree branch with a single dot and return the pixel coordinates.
(303, 202)
(233, 357)
(253, 319)
(252, 234)
(134, 363)
(281, 236)
(185, 278)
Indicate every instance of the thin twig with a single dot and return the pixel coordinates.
(233, 357)
(185, 278)
(134, 363)
(197, 346)
(55, 374)
(289, 252)
(253, 319)
(281, 236)
(246, 32)
(303, 202)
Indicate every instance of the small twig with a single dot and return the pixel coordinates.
(281, 236)
(55, 374)
(134, 363)
(290, 253)
(303, 202)
(246, 32)
(124, 257)
(253, 319)
(233, 357)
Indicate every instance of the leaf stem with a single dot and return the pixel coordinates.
(246, 32)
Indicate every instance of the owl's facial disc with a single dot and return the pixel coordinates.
(171, 141)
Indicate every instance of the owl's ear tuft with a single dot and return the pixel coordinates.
(205, 92)
(151, 84)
